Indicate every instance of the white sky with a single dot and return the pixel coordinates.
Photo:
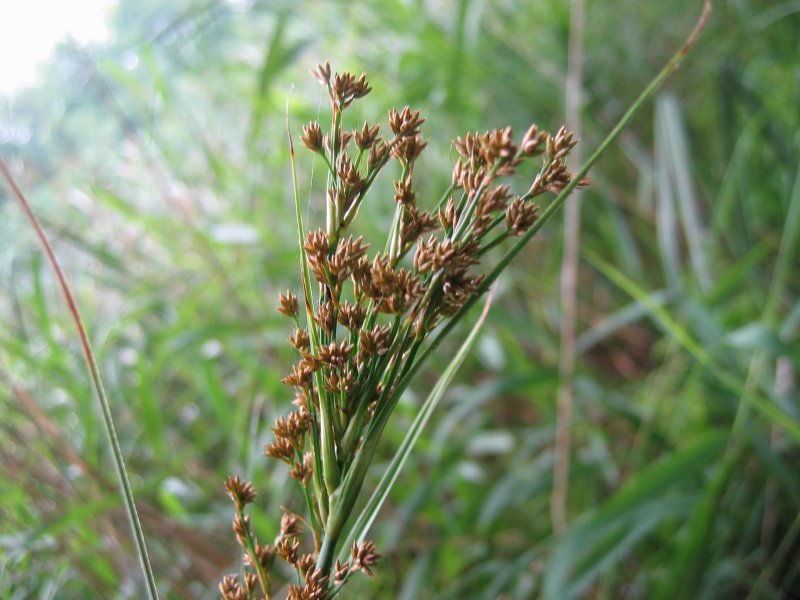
(29, 29)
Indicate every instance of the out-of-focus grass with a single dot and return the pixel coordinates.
(158, 163)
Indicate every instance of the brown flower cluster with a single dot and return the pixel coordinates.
(366, 316)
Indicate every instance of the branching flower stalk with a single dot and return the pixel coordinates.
(362, 319)
(368, 322)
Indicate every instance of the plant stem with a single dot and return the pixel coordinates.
(94, 372)
(568, 280)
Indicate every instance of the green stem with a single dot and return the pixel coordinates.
(94, 372)
(263, 577)
(326, 438)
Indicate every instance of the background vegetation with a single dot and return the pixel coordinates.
(158, 163)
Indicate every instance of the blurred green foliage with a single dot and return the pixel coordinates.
(159, 164)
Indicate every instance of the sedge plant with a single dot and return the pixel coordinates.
(366, 319)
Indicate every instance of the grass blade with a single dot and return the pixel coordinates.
(94, 372)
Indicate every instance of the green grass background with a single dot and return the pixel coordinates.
(158, 164)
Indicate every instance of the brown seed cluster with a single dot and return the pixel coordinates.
(368, 313)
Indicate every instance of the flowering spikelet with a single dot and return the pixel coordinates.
(241, 492)
(364, 557)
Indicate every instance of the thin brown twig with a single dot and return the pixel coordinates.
(569, 278)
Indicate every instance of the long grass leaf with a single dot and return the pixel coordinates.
(94, 371)
(628, 515)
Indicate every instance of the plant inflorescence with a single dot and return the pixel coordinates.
(361, 318)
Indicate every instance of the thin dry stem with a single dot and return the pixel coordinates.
(569, 279)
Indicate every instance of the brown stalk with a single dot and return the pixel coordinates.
(569, 277)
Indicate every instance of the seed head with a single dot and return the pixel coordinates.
(520, 215)
(351, 316)
(406, 122)
(378, 155)
(241, 527)
(347, 88)
(533, 142)
(241, 492)
(288, 305)
(291, 525)
(404, 192)
(340, 572)
(300, 340)
(367, 136)
(302, 471)
(364, 557)
(312, 137)
(231, 589)
(326, 317)
(323, 73)
(281, 449)
(287, 549)
(408, 149)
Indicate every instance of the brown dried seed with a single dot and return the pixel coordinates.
(251, 581)
(241, 527)
(288, 305)
(351, 316)
(306, 564)
(316, 585)
(300, 340)
(340, 572)
(231, 589)
(346, 88)
(367, 136)
(348, 174)
(448, 215)
(497, 146)
(263, 555)
(415, 223)
(312, 137)
(287, 549)
(364, 557)
(406, 122)
(378, 155)
(292, 428)
(472, 181)
(493, 200)
(375, 341)
(281, 448)
(520, 215)
(408, 149)
(301, 373)
(533, 142)
(240, 491)
(404, 192)
(303, 471)
(317, 243)
(291, 525)
(326, 317)
(336, 355)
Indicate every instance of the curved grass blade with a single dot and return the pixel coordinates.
(94, 372)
